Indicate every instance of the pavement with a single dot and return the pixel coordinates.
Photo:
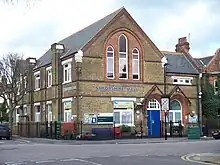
(203, 158)
(21, 152)
(116, 141)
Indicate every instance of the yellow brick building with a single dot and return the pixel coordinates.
(121, 77)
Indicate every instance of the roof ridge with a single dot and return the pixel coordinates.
(199, 58)
(115, 12)
(172, 53)
(79, 39)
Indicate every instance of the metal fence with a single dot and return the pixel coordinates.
(68, 130)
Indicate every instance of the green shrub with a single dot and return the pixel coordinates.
(125, 128)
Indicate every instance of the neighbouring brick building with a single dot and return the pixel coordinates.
(120, 75)
(211, 66)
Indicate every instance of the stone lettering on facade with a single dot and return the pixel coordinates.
(69, 88)
(116, 88)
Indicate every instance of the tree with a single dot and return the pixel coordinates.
(210, 101)
(3, 112)
(12, 88)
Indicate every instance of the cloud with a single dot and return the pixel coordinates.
(164, 23)
(31, 30)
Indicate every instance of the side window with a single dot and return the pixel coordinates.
(135, 64)
(110, 63)
(123, 57)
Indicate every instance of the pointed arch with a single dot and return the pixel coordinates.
(135, 64)
(110, 63)
(175, 112)
(123, 56)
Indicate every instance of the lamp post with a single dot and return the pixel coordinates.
(165, 99)
(199, 91)
(78, 60)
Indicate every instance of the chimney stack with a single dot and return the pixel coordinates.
(182, 45)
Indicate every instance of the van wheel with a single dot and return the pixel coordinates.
(0, 138)
(8, 138)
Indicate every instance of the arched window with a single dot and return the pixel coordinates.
(110, 63)
(153, 104)
(123, 57)
(175, 113)
(135, 64)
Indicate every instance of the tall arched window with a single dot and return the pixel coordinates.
(123, 57)
(135, 64)
(175, 113)
(110, 63)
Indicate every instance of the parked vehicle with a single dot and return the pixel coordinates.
(5, 131)
(216, 134)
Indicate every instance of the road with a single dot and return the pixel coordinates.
(23, 152)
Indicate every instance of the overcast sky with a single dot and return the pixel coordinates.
(31, 30)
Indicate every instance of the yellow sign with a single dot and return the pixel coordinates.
(68, 105)
(123, 104)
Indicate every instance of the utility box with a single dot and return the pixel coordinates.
(193, 132)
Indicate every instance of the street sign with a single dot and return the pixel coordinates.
(165, 104)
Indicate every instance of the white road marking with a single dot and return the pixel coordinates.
(2, 142)
(22, 141)
(18, 163)
(187, 158)
(85, 161)
(125, 155)
(45, 161)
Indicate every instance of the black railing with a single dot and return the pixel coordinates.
(56, 130)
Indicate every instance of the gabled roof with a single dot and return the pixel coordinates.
(177, 88)
(204, 61)
(178, 63)
(77, 40)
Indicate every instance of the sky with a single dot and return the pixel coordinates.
(30, 28)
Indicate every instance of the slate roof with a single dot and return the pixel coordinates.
(203, 61)
(178, 63)
(77, 40)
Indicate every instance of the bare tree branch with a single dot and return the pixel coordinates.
(12, 72)
(28, 3)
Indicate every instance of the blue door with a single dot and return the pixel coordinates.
(153, 123)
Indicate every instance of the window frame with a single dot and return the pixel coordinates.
(68, 112)
(120, 112)
(153, 102)
(215, 85)
(113, 62)
(68, 68)
(49, 74)
(138, 60)
(19, 88)
(173, 111)
(182, 80)
(126, 57)
(36, 78)
(49, 113)
(17, 115)
(25, 84)
(37, 113)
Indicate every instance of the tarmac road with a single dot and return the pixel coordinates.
(103, 154)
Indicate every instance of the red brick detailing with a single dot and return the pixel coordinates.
(156, 96)
(182, 40)
(184, 105)
(133, 42)
(214, 65)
